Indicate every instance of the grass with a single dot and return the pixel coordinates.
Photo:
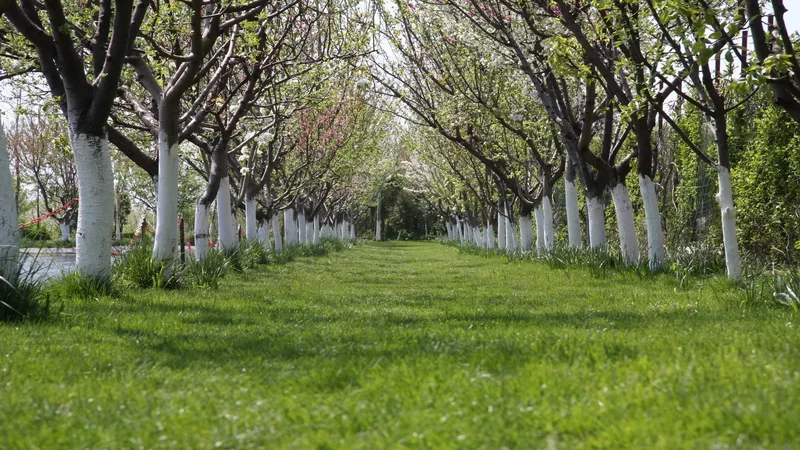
(407, 345)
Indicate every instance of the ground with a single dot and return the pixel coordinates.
(407, 345)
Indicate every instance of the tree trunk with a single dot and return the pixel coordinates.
(525, 231)
(201, 232)
(511, 233)
(63, 225)
(301, 227)
(166, 241)
(501, 230)
(539, 214)
(655, 236)
(628, 243)
(315, 234)
(225, 222)
(276, 232)
(489, 236)
(9, 219)
(378, 219)
(263, 233)
(250, 221)
(573, 216)
(96, 211)
(549, 231)
(733, 262)
(117, 222)
(288, 227)
(597, 222)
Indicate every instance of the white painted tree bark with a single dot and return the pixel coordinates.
(378, 219)
(539, 214)
(525, 233)
(655, 235)
(301, 228)
(573, 215)
(225, 221)
(263, 233)
(288, 227)
(276, 232)
(64, 227)
(201, 233)
(549, 231)
(96, 208)
(511, 236)
(597, 222)
(501, 231)
(165, 246)
(9, 218)
(628, 243)
(489, 235)
(733, 261)
(250, 222)
(316, 230)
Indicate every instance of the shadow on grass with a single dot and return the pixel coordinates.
(298, 334)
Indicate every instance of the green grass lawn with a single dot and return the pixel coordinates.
(407, 345)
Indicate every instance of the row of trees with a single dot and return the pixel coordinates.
(511, 99)
(259, 100)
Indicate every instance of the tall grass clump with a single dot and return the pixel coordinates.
(76, 285)
(22, 295)
(137, 268)
(207, 272)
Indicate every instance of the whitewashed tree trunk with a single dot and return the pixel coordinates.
(378, 220)
(225, 220)
(316, 230)
(489, 235)
(9, 218)
(525, 232)
(597, 222)
(276, 232)
(63, 225)
(573, 215)
(288, 227)
(628, 243)
(301, 228)
(96, 208)
(165, 246)
(117, 225)
(549, 231)
(540, 247)
(655, 236)
(201, 233)
(501, 231)
(263, 233)
(511, 236)
(250, 221)
(352, 231)
(733, 261)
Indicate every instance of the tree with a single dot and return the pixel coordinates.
(86, 106)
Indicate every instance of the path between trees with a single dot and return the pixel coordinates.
(405, 344)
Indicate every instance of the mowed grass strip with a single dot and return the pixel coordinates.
(407, 345)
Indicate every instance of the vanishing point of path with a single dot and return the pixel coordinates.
(407, 345)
